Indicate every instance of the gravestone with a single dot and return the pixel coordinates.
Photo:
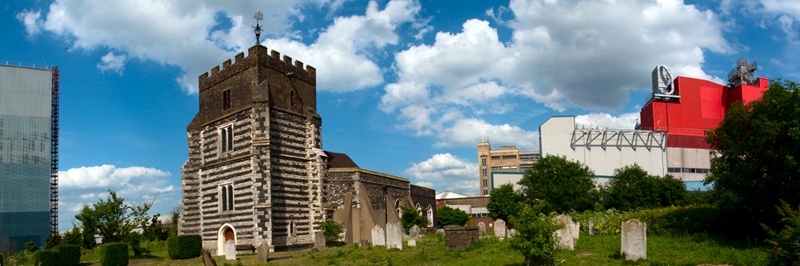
(319, 239)
(394, 235)
(481, 228)
(262, 253)
(500, 228)
(230, 250)
(378, 236)
(565, 235)
(634, 239)
(413, 232)
(208, 260)
(592, 231)
(576, 232)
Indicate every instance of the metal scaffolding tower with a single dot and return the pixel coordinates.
(54, 153)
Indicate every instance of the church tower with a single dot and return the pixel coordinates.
(255, 161)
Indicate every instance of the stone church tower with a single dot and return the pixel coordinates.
(255, 160)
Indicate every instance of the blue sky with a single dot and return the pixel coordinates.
(404, 87)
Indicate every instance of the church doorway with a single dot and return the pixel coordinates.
(226, 233)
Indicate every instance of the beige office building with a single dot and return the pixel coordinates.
(506, 161)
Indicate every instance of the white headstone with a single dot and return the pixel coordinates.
(566, 240)
(378, 236)
(500, 228)
(592, 231)
(481, 228)
(394, 235)
(230, 250)
(412, 242)
(634, 239)
(413, 232)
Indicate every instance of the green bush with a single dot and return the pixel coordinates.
(184, 246)
(46, 257)
(331, 230)
(785, 244)
(69, 254)
(450, 216)
(31, 247)
(113, 254)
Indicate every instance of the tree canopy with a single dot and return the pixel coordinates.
(758, 159)
(504, 202)
(112, 219)
(631, 188)
(450, 216)
(559, 185)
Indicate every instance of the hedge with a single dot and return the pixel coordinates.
(113, 254)
(69, 254)
(184, 246)
(46, 257)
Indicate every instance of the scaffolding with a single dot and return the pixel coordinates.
(743, 73)
(54, 152)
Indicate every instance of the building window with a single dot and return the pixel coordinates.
(226, 138)
(485, 192)
(226, 197)
(226, 99)
(292, 229)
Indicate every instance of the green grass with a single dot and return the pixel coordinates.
(430, 250)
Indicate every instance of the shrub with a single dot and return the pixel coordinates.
(46, 257)
(113, 254)
(450, 216)
(184, 246)
(412, 217)
(785, 244)
(31, 247)
(69, 254)
(331, 230)
(535, 237)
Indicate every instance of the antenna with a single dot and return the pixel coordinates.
(259, 17)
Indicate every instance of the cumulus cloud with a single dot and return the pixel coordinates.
(470, 131)
(197, 35)
(112, 62)
(88, 184)
(445, 172)
(562, 54)
(604, 120)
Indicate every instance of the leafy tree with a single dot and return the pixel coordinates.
(331, 230)
(504, 202)
(785, 244)
(631, 188)
(74, 236)
(559, 185)
(412, 217)
(31, 247)
(535, 237)
(153, 229)
(112, 219)
(758, 160)
(52, 240)
(173, 226)
(451, 216)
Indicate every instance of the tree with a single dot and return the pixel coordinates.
(631, 187)
(73, 237)
(758, 155)
(412, 217)
(450, 216)
(112, 219)
(535, 237)
(331, 230)
(504, 202)
(559, 185)
(785, 244)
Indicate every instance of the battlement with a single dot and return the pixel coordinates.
(258, 55)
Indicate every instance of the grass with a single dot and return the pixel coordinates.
(430, 250)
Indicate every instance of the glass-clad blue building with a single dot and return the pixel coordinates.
(26, 104)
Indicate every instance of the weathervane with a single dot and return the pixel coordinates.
(258, 16)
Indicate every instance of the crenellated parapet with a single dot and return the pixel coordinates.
(258, 55)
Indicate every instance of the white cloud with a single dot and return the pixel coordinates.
(189, 34)
(445, 172)
(470, 131)
(88, 184)
(604, 120)
(112, 62)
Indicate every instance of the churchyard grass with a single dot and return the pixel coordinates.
(591, 250)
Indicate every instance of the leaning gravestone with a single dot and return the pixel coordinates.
(208, 260)
(394, 235)
(413, 232)
(262, 253)
(319, 240)
(634, 239)
(230, 250)
(565, 237)
(592, 231)
(481, 228)
(500, 228)
(378, 236)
